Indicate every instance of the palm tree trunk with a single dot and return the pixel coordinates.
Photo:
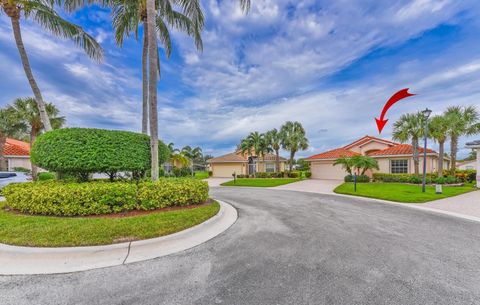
(453, 154)
(292, 155)
(3, 140)
(33, 136)
(145, 80)
(152, 86)
(441, 149)
(28, 71)
(416, 159)
(277, 160)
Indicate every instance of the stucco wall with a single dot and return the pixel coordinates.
(384, 164)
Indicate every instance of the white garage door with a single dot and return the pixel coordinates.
(326, 170)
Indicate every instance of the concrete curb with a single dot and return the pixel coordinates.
(15, 260)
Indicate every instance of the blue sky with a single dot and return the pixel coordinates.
(329, 64)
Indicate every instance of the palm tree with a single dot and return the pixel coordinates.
(409, 127)
(462, 121)
(346, 163)
(43, 12)
(438, 128)
(10, 127)
(293, 139)
(128, 15)
(27, 111)
(273, 140)
(364, 163)
(192, 154)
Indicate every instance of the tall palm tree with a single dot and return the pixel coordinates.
(254, 145)
(10, 127)
(273, 140)
(293, 139)
(437, 130)
(27, 111)
(128, 15)
(44, 14)
(409, 127)
(462, 121)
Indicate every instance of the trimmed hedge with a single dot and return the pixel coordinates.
(88, 150)
(416, 179)
(99, 197)
(360, 178)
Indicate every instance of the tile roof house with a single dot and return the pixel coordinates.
(16, 154)
(476, 146)
(243, 164)
(392, 157)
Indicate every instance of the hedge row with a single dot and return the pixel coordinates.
(412, 178)
(360, 178)
(98, 197)
(82, 151)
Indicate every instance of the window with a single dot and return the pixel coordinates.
(270, 167)
(399, 166)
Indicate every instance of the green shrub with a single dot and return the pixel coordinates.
(415, 179)
(181, 172)
(402, 178)
(451, 180)
(440, 180)
(86, 150)
(100, 197)
(210, 173)
(46, 176)
(293, 175)
(308, 174)
(360, 178)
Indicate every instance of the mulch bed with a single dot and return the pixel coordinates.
(123, 214)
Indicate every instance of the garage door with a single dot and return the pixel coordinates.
(326, 170)
(226, 170)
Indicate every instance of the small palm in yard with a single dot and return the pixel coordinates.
(363, 163)
(409, 128)
(346, 163)
(27, 111)
(44, 14)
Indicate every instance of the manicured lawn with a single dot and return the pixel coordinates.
(399, 192)
(260, 182)
(201, 175)
(45, 231)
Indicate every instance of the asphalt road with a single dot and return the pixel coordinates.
(290, 248)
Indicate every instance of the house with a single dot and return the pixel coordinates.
(16, 154)
(244, 164)
(467, 165)
(392, 158)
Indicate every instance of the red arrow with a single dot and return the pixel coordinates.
(395, 98)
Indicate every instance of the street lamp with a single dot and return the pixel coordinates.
(426, 114)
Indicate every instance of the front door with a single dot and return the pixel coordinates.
(252, 165)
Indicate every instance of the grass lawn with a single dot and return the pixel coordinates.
(399, 192)
(46, 231)
(200, 175)
(261, 182)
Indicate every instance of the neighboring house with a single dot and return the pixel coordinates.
(476, 145)
(243, 164)
(392, 157)
(467, 165)
(16, 154)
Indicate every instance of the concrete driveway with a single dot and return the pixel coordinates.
(214, 182)
(312, 185)
(290, 248)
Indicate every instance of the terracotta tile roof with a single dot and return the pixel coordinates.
(400, 149)
(334, 154)
(237, 157)
(367, 139)
(16, 148)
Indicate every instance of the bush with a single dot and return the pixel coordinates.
(210, 173)
(402, 178)
(440, 180)
(99, 197)
(308, 174)
(360, 178)
(468, 175)
(182, 172)
(451, 180)
(82, 151)
(293, 174)
(46, 176)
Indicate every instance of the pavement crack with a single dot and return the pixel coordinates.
(128, 253)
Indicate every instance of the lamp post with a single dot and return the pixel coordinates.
(426, 113)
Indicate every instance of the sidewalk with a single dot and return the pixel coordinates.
(467, 204)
